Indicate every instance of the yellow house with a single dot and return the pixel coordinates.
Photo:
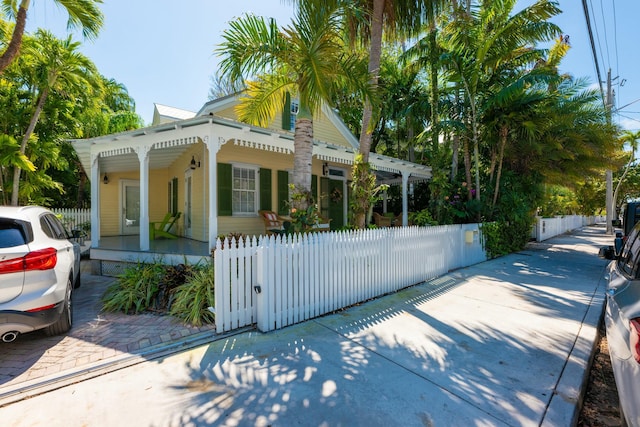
(216, 173)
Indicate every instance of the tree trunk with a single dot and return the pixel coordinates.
(467, 167)
(504, 132)
(16, 37)
(23, 145)
(302, 158)
(375, 53)
(433, 93)
(456, 142)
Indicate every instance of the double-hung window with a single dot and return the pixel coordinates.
(245, 189)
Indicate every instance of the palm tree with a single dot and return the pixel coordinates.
(400, 18)
(631, 138)
(58, 67)
(307, 60)
(488, 45)
(82, 13)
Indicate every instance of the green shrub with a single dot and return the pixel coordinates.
(192, 299)
(422, 218)
(135, 289)
(504, 237)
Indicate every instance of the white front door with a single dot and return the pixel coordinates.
(129, 207)
(188, 187)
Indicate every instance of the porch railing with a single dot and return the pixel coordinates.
(281, 280)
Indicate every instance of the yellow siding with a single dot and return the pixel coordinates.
(323, 129)
(111, 203)
(199, 190)
(248, 226)
(228, 113)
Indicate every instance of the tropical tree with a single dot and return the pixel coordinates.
(307, 60)
(400, 18)
(57, 67)
(487, 45)
(83, 14)
(629, 138)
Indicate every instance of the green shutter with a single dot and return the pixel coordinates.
(283, 193)
(286, 112)
(225, 189)
(314, 188)
(265, 189)
(174, 196)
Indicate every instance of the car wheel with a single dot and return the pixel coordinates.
(77, 283)
(63, 324)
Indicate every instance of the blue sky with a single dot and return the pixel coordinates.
(162, 50)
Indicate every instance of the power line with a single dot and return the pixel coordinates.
(615, 41)
(593, 49)
(606, 39)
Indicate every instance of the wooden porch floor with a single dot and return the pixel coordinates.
(179, 246)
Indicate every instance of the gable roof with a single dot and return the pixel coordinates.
(220, 105)
(165, 114)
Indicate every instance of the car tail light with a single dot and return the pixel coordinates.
(634, 338)
(44, 259)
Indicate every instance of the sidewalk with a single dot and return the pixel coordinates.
(505, 342)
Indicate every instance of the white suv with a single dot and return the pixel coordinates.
(39, 268)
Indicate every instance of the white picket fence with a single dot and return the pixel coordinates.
(546, 228)
(278, 281)
(73, 218)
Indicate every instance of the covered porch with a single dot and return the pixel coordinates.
(174, 168)
(110, 254)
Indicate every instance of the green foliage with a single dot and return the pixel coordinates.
(184, 291)
(559, 200)
(193, 298)
(135, 289)
(364, 191)
(422, 218)
(303, 211)
(502, 237)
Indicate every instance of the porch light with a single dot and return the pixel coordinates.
(105, 179)
(325, 169)
(194, 164)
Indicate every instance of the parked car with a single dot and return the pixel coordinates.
(622, 322)
(39, 269)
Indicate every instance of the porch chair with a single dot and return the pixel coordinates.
(273, 223)
(381, 220)
(163, 228)
(322, 224)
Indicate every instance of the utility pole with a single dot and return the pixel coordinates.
(608, 173)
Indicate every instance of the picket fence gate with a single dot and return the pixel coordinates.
(276, 281)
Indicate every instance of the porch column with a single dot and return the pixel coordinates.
(143, 157)
(213, 144)
(405, 201)
(95, 200)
